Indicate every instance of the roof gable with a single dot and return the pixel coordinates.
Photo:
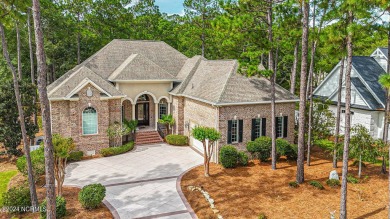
(78, 80)
(138, 67)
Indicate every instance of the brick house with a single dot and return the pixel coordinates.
(144, 80)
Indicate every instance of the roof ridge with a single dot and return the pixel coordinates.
(184, 84)
(165, 71)
(232, 71)
(121, 67)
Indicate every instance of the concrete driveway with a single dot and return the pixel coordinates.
(140, 183)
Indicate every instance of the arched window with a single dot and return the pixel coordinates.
(90, 121)
(162, 108)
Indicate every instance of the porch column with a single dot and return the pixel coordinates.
(169, 108)
(133, 111)
(155, 115)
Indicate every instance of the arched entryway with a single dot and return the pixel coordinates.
(143, 110)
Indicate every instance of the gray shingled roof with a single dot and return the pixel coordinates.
(138, 67)
(73, 80)
(242, 89)
(218, 82)
(361, 88)
(385, 51)
(370, 71)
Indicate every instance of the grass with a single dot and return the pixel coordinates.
(5, 177)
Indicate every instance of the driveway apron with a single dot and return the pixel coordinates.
(140, 184)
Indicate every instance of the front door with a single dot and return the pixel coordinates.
(142, 113)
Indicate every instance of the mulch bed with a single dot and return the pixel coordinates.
(246, 192)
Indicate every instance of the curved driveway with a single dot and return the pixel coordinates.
(140, 183)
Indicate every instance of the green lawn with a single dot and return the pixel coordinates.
(5, 177)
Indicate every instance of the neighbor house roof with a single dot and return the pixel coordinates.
(385, 51)
(365, 93)
(370, 70)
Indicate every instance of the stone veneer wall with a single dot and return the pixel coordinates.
(67, 119)
(247, 113)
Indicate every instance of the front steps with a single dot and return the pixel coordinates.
(148, 137)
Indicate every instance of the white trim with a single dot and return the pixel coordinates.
(146, 92)
(235, 103)
(84, 83)
(63, 98)
(380, 51)
(111, 98)
(338, 66)
(164, 97)
(97, 122)
(127, 98)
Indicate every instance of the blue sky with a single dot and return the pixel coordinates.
(170, 6)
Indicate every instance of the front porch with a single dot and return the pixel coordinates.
(146, 109)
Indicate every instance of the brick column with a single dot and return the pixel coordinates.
(133, 111)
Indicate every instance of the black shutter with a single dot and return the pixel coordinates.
(277, 124)
(253, 137)
(229, 134)
(285, 126)
(263, 126)
(240, 128)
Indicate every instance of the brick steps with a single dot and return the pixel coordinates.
(150, 137)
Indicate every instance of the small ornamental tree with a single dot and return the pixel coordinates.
(115, 133)
(131, 126)
(168, 121)
(204, 134)
(361, 145)
(62, 148)
(382, 150)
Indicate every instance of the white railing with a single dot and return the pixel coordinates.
(34, 147)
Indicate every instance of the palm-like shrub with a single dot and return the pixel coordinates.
(168, 121)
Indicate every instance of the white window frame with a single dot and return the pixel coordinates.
(237, 133)
(281, 126)
(258, 126)
(97, 121)
(165, 105)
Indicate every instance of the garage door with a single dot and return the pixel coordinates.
(195, 143)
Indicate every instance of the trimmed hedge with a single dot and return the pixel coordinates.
(333, 182)
(260, 148)
(75, 156)
(111, 151)
(243, 158)
(38, 163)
(60, 207)
(228, 156)
(16, 198)
(92, 195)
(284, 148)
(178, 140)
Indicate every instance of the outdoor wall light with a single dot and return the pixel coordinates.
(187, 124)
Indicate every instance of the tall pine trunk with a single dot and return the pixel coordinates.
(388, 71)
(273, 82)
(294, 68)
(32, 73)
(302, 94)
(18, 51)
(31, 183)
(338, 113)
(45, 110)
(347, 132)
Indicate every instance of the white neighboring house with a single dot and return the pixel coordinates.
(367, 95)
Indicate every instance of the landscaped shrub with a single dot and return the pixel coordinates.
(111, 151)
(284, 148)
(242, 158)
(325, 144)
(333, 182)
(356, 164)
(260, 148)
(293, 184)
(38, 163)
(316, 184)
(16, 199)
(228, 156)
(75, 156)
(60, 207)
(262, 216)
(92, 195)
(178, 140)
(352, 179)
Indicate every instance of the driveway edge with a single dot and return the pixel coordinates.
(181, 194)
